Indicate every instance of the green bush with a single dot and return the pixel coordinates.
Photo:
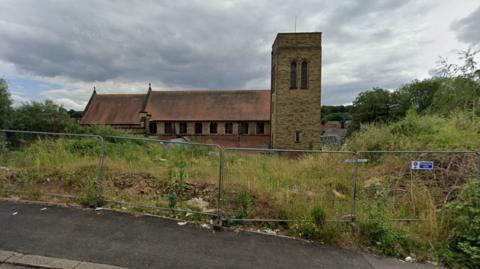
(90, 197)
(415, 132)
(378, 232)
(305, 229)
(245, 203)
(318, 216)
(461, 247)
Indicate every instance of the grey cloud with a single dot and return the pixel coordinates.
(468, 29)
(199, 44)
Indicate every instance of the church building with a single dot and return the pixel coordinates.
(285, 116)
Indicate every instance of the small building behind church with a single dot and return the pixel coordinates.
(285, 116)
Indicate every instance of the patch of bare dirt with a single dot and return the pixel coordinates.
(146, 184)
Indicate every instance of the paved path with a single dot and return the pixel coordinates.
(148, 242)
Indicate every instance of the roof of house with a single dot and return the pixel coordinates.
(336, 132)
(113, 109)
(209, 105)
(181, 105)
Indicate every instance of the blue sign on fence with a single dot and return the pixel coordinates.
(422, 165)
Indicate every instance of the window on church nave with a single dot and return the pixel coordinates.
(243, 128)
(229, 128)
(198, 128)
(213, 127)
(152, 127)
(183, 127)
(168, 127)
(260, 128)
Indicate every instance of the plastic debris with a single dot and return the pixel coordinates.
(270, 231)
(206, 226)
(182, 223)
(43, 209)
(198, 203)
(4, 168)
(14, 213)
(408, 259)
(98, 208)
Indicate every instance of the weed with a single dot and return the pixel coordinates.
(172, 195)
(378, 231)
(245, 202)
(305, 229)
(90, 197)
(460, 247)
(318, 216)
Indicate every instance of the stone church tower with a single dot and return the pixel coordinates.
(296, 91)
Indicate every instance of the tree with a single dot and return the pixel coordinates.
(372, 106)
(458, 93)
(469, 68)
(5, 105)
(419, 94)
(42, 116)
(461, 86)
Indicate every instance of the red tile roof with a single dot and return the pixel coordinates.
(113, 109)
(181, 105)
(209, 105)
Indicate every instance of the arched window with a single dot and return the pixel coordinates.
(304, 75)
(293, 75)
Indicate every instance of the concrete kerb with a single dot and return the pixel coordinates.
(15, 258)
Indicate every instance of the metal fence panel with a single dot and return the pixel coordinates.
(161, 177)
(34, 165)
(409, 186)
(284, 185)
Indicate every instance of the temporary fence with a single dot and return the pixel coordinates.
(63, 165)
(157, 175)
(409, 186)
(194, 180)
(280, 185)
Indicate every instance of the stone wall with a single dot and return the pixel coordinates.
(297, 109)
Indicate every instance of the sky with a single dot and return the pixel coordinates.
(60, 50)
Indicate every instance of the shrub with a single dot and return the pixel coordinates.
(318, 216)
(461, 247)
(90, 197)
(377, 231)
(245, 202)
(305, 229)
(430, 132)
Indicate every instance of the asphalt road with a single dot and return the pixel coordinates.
(148, 242)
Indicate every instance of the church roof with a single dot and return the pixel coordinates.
(113, 109)
(181, 105)
(209, 105)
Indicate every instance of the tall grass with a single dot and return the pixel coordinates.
(313, 189)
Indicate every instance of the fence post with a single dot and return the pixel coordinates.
(354, 192)
(219, 220)
(98, 180)
(478, 165)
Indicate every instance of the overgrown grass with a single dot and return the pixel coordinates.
(314, 190)
(460, 131)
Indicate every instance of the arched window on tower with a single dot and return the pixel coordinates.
(304, 75)
(293, 75)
